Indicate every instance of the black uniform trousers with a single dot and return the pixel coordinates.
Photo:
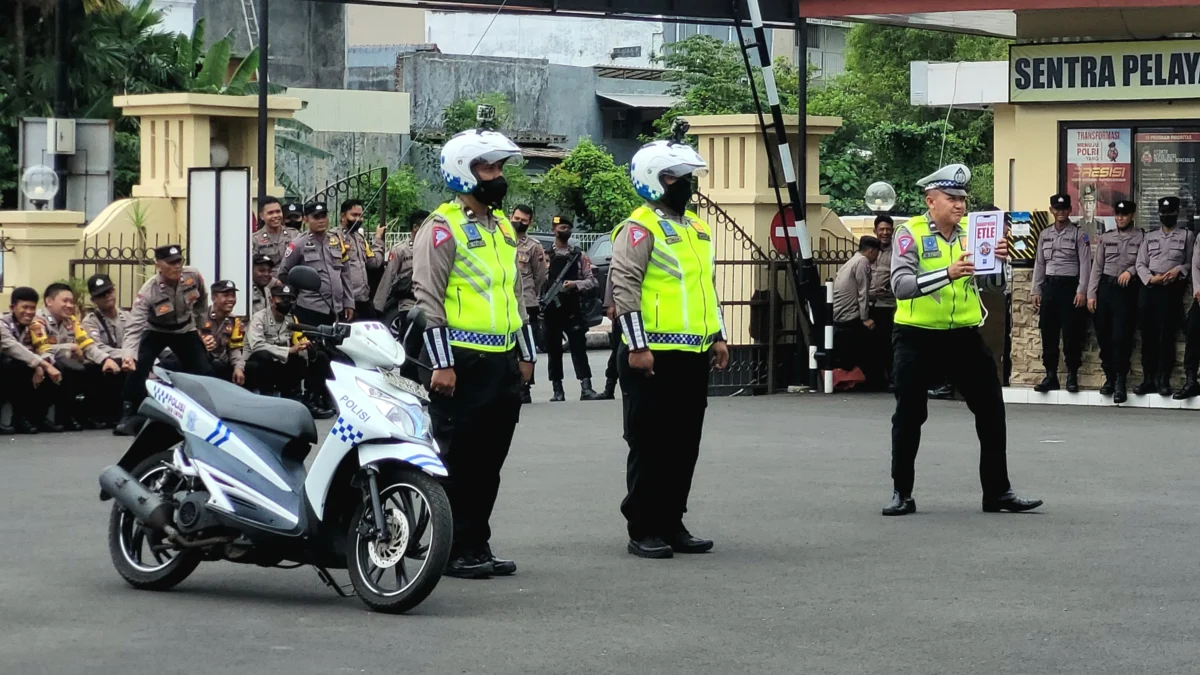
(222, 370)
(557, 324)
(881, 345)
(664, 419)
(187, 347)
(268, 374)
(474, 429)
(1191, 355)
(1160, 309)
(364, 310)
(1060, 318)
(76, 381)
(100, 392)
(1116, 323)
(924, 358)
(611, 372)
(853, 347)
(313, 318)
(28, 402)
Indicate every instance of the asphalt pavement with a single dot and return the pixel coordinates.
(806, 576)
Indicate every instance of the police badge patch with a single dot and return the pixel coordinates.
(929, 247)
(669, 230)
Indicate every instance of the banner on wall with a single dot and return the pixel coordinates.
(1167, 166)
(1099, 174)
(1104, 71)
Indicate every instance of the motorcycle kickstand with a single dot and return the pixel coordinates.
(324, 575)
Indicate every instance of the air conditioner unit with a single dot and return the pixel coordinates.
(60, 136)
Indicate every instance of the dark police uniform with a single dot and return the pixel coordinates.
(1116, 303)
(164, 315)
(564, 316)
(1060, 275)
(274, 368)
(1167, 250)
(329, 256)
(1170, 206)
(937, 334)
(229, 337)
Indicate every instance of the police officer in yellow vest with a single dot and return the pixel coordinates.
(665, 301)
(465, 279)
(938, 314)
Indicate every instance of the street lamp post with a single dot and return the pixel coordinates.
(263, 58)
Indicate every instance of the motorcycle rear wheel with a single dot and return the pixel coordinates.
(421, 527)
(130, 542)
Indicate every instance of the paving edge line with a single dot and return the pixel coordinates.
(1093, 398)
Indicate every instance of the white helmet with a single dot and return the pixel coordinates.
(663, 157)
(473, 147)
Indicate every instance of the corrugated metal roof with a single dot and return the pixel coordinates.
(641, 100)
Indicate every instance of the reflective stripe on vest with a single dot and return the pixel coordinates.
(481, 307)
(955, 305)
(679, 299)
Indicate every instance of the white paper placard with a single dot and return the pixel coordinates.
(983, 231)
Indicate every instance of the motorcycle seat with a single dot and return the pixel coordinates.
(233, 403)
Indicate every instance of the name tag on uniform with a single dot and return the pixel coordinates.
(929, 247)
(508, 238)
(700, 233)
(474, 239)
(669, 230)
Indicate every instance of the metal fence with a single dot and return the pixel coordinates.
(585, 239)
(128, 261)
(366, 186)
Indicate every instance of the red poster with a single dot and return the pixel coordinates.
(1099, 174)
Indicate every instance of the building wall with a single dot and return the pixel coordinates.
(376, 25)
(1026, 142)
(308, 39)
(570, 41)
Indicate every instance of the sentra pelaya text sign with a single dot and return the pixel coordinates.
(1104, 71)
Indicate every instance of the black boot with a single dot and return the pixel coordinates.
(1072, 381)
(526, 395)
(23, 426)
(1107, 389)
(1146, 387)
(610, 390)
(131, 421)
(1190, 389)
(586, 393)
(7, 430)
(900, 505)
(1048, 383)
(1164, 385)
(559, 395)
(944, 392)
(1119, 394)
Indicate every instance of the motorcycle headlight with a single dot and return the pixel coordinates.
(409, 417)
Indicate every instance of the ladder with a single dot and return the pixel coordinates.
(250, 14)
(809, 295)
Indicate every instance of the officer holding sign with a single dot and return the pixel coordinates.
(1113, 298)
(1061, 272)
(938, 314)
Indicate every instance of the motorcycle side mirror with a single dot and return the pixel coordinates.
(304, 278)
(417, 319)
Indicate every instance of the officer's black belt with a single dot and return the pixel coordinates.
(168, 326)
(1064, 280)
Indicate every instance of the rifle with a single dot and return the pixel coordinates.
(550, 297)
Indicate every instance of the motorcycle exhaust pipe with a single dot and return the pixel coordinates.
(142, 503)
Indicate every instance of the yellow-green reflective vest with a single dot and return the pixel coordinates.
(679, 298)
(481, 306)
(955, 305)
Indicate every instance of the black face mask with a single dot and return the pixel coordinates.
(563, 235)
(285, 306)
(491, 192)
(1169, 221)
(678, 195)
(521, 227)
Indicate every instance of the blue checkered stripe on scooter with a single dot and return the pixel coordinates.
(345, 431)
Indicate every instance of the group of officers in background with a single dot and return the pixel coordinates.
(1128, 279)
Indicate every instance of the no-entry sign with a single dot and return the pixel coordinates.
(780, 233)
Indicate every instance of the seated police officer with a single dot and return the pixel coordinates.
(280, 359)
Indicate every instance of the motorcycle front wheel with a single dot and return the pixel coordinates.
(139, 553)
(395, 575)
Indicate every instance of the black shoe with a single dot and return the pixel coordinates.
(469, 567)
(87, 423)
(586, 393)
(609, 393)
(1048, 383)
(1190, 389)
(684, 542)
(7, 430)
(500, 566)
(23, 426)
(1119, 395)
(48, 427)
(650, 547)
(559, 394)
(1107, 389)
(526, 396)
(944, 392)
(1073, 382)
(317, 407)
(1144, 388)
(69, 424)
(901, 505)
(131, 422)
(1009, 501)
(1164, 386)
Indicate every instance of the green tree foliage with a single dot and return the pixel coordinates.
(405, 192)
(460, 115)
(883, 136)
(590, 186)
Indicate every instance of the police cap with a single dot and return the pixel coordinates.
(1061, 200)
(1125, 207)
(1168, 206)
(170, 253)
(283, 291)
(99, 284)
(223, 286)
(263, 259)
(951, 179)
(563, 220)
(315, 209)
(292, 210)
